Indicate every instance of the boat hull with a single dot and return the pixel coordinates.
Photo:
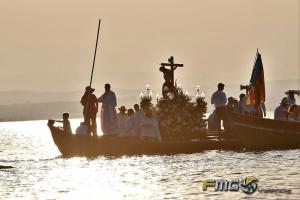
(265, 134)
(76, 145)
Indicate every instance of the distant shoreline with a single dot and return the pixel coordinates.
(26, 106)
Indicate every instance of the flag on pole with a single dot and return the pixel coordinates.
(257, 93)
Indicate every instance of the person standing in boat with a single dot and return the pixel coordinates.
(108, 116)
(138, 116)
(240, 107)
(149, 126)
(212, 122)
(131, 129)
(90, 109)
(291, 98)
(232, 103)
(280, 112)
(219, 100)
(122, 120)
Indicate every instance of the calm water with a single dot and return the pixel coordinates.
(40, 172)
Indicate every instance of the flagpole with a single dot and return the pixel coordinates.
(255, 57)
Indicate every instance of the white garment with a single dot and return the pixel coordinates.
(122, 120)
(212, 122)
(109, 122)
(131, 129)
(219, 99)
(82, 130)
(291, 100)
(138, 116)
(149, 129)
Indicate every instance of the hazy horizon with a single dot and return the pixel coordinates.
(49, 45)
(36, 105)
(143, 87)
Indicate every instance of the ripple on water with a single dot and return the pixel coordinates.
(42, 173)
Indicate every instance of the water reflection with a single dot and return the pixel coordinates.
(41, 173)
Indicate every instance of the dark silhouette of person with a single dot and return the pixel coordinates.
(167, 86)
(291, 97)
(240, 107)
(90, 109)
(67, 130)
(219, 100)
(231, 104)
(281, 112)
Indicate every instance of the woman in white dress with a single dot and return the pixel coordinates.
(131, 125)
(122, 120)
(149, 127)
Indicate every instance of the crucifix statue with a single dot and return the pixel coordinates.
(169, 84)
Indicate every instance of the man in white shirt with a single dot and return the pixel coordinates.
(109, 123)
(219, 100)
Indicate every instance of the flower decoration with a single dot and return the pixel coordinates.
(179, 118)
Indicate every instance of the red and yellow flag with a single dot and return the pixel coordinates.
(257, 94)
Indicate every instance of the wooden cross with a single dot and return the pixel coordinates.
(173, 67)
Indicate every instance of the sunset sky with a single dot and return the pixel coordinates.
(49, 45)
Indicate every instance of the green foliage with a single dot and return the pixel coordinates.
(146, 102)
(201, 106)
(179, 118)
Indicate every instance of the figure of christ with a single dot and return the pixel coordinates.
(167, 86)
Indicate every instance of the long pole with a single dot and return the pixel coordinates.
(91, 79)
(95, 53)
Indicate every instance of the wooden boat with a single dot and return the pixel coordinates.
(76, 145)
(264, 134)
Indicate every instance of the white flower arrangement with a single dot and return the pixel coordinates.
(180, 118)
